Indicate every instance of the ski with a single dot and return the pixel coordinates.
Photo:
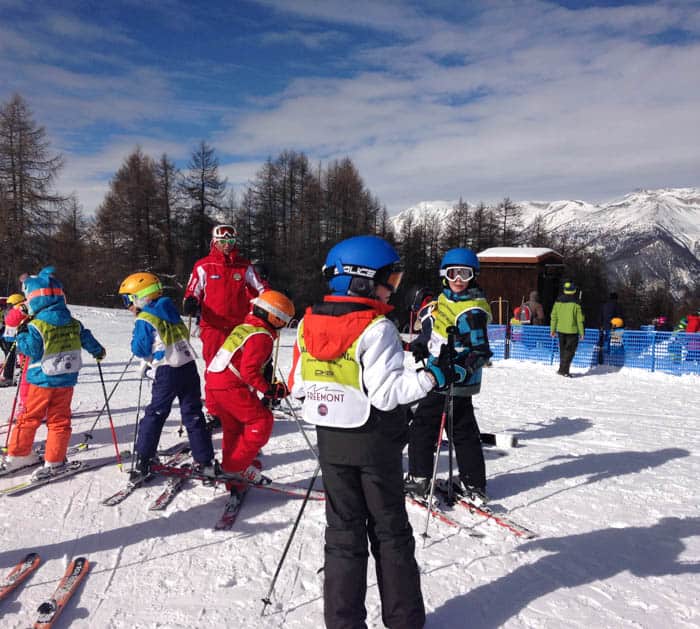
(501, 520)
(177, 454)
(71, 469)
(18, 574)
(437, 512)
(72, 450)
(50, 609)
(173, 487)
(231, 510)
(289, 490)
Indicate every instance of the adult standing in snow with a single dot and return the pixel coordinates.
(567, 321)
(220, 289)
(536, 308)
(348, 370)
(608, 310)
(461, 305)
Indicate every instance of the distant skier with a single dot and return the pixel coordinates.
(160, 338)
(53, 340)
(566, 320)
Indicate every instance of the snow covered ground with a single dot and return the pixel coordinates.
(606, 473)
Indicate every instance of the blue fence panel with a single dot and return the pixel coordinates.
(678, 353)
(669, 352)
(586, 351)
(531, 342)
(497, 341)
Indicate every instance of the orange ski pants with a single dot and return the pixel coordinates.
(52, 404)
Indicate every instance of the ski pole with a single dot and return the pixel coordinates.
(267, 601)
(297, 420)
(88, 435)
(10, 354)
(451, 331)
(446, 407)
(136, 427)
(109, 415)
(11, 420)
(443, 417)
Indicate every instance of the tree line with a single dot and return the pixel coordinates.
(158, 217)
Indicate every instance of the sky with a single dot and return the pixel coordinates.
(432, 99)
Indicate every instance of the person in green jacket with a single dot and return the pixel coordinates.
(567, 321)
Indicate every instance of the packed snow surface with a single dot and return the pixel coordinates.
(606, 473)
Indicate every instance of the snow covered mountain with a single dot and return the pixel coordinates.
(652, 232)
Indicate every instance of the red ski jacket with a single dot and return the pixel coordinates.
(223, 286)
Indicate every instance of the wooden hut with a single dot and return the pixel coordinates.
(509, 274)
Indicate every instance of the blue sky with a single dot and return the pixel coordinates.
(432, 99)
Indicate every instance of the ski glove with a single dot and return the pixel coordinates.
(190, 306)
(101, 355)
(442, 368)
(419, 349)
(144, 368)
(277, 390)
(23, 327)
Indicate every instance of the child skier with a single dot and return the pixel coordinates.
(349, 372)
(15, 314)
(53, 341)
(462, 305)
(234, 379)
(14, 319)
(160, 338)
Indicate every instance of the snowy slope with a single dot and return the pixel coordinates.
(607, 475)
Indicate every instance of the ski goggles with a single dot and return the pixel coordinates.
(390, 277)
(128, 300)
(453, 273)
(226, 241)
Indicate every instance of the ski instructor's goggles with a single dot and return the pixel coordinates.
(463, 273)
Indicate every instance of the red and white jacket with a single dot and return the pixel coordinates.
(223, 286)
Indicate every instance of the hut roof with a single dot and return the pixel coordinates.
(520, 255)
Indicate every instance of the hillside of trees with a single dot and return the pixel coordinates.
(158, 217)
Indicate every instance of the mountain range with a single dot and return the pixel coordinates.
(653, 233)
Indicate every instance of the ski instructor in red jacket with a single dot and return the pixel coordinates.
(220, 288)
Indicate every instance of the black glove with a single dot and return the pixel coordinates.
(190, 306)
(100, 355)
(442, 368)
(23, 327)
(277, 390)
(419, 349)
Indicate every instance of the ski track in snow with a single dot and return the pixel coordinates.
(606, 474)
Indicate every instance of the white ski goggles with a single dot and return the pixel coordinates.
(452, 273)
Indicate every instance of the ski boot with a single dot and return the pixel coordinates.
(48, 470)
(416, 486)
(141, 472)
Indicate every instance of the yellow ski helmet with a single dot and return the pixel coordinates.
(15, 298)
(140, 288)
(616, 322)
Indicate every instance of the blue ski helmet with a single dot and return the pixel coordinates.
(354, 266)
(460, 257)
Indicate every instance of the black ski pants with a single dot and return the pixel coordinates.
(367, 503)
(567, 348)
(423, 438)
